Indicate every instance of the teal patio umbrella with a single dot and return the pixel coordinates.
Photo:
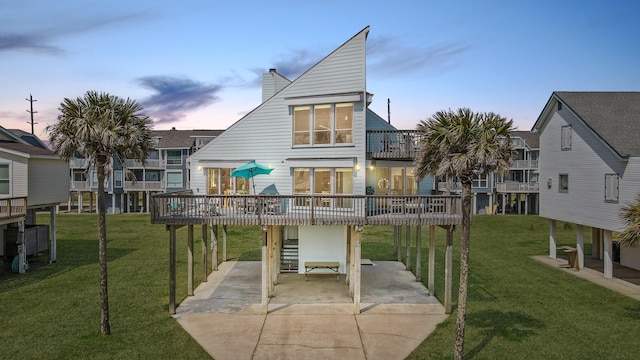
(249, 170)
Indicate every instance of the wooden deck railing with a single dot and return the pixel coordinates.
(13, 207)
(185, 209)
(393, 144)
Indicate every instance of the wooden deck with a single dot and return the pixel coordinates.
(186, 209)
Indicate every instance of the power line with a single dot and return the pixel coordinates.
(30, 100)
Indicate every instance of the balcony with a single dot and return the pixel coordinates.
(78, 163)
(80, 186)
(393, 145)
(517, 187)
(524, 165)
(150, 164)
(13, 208)
(144, 185)
(186, 209)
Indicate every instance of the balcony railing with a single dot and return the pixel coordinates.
(393, 144)
(144, 185)
(151, 163)
(517, 187)
(80, 185)
(78, 163)
(525, 164)
(183, 209)
(13, 207)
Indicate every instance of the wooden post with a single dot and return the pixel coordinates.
(408, 245)
(552, 239)
(265, 273)
(357, 276)
(399, 243)
(352, 262)
(190, 260)
(347, 268)
(432, 260)
(53, 252)
(395, 239)
(418, 253)
(224, 243)
(214, 249)
(608, 255)
(580, 245)
(205, 253)
(172, 269)
(448, 271)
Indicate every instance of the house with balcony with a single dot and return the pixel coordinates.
(336, 167)
(165, 170)
(589, 168)
(513, 193)
(517, 191)
(32, 178)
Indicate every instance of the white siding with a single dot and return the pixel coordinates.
(48, 181)
(630, 257)
(586, 165)
(265, 135)
(322, 243)
(18, 171)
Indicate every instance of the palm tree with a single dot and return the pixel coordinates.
(630, 213)
(101, 127)
(460, 144)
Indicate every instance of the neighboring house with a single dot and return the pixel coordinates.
(590, 167)
(513, 193)
(517, 191)
(32, 178)
(337, 166)
(165, 170)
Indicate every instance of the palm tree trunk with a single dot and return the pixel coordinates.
(105, 327)
(464, 269)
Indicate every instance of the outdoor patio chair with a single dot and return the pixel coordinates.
(175, 207)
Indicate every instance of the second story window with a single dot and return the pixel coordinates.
(565, 142)
(323, 124)
(174, 157)
(5, 180)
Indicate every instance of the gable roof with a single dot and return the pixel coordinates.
(181, 139)
(364, 32)
(612, 116)
(25, 149)
(531, 138)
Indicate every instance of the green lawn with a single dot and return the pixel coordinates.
(518, 308)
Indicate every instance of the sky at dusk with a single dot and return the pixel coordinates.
(198, 64)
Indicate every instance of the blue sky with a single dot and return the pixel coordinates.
(197, 64)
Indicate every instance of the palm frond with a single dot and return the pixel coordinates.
(630, 214)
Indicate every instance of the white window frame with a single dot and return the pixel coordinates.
(332, 123)
(565, 141)
(171, 162)
(8, 180)
(166, 178)
(611, 188)
(563, 185)
(480, 181)
(117, 178)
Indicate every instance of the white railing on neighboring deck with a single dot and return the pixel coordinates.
(151, 163)
(144, 185)
(525, 164)
(517, 187)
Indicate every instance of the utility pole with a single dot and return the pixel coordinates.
(30, 100)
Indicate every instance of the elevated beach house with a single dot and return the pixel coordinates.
(589, 168)
(336, 167)
(32, 178)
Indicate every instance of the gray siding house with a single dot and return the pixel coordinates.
(32, 178)
(590, 167)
